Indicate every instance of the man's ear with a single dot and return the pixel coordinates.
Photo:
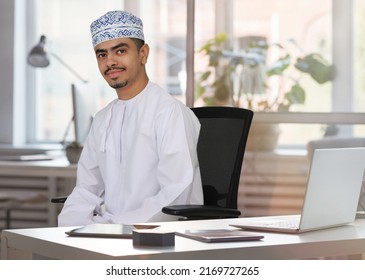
(143, 53)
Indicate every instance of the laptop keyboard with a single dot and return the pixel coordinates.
(287, 223)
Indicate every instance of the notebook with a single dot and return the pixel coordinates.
(331, 198)
(219, 235)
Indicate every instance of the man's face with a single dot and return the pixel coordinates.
(120, 63)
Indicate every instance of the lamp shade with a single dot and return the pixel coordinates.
(38, 56)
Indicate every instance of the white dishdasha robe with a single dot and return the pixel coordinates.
(139, 156)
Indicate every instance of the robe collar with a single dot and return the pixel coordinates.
(110, 113)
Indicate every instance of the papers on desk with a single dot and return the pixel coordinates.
(35, 157)
(220, 235)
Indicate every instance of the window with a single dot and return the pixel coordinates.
(306, 26)
(68, 37)
(302, 28)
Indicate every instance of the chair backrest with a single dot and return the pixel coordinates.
(221, 147)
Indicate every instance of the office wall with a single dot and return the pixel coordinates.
(13, 82)
(7, 9)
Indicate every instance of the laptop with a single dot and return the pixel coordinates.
(332, 194)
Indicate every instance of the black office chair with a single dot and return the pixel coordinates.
(221, 147)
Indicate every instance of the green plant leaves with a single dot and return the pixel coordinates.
(296, 95)
(316, 66)
(279, 66)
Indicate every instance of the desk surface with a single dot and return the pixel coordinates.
(57, 167)
(54, 243)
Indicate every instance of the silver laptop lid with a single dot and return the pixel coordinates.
(333, 187)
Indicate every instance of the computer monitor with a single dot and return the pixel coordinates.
(84, 108)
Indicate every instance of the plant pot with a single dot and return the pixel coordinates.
(73, 154)
(263, 137)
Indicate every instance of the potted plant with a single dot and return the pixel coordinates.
(73, 151)
(244, 78)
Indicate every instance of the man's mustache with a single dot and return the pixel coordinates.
(113, 68)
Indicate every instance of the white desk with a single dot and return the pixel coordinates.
(53, 243)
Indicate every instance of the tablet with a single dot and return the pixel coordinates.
(220, 235)
(107, 230)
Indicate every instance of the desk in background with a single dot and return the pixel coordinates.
(45, 177)
(53, 243)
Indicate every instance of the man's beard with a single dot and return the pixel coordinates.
(119, 85)
(116, 85)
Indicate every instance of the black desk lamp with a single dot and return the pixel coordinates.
(38, 57)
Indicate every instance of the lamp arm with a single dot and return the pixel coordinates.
(68, 67)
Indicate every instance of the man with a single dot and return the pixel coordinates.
(140, 154)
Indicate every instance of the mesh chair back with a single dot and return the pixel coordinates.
(221, 148)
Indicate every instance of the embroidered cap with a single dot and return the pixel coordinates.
(116, 24)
